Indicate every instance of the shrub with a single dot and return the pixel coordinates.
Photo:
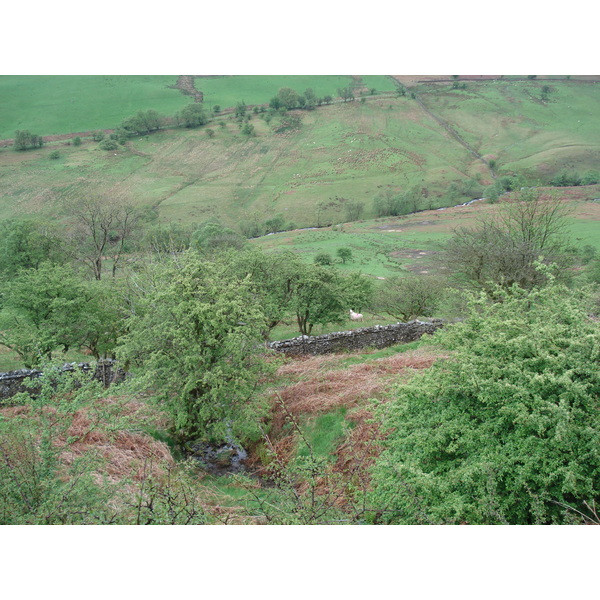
(54, 155)
(506, 430)
(77, 141)
(323, 258)
(108, 145)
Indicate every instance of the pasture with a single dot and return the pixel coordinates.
(57, 104)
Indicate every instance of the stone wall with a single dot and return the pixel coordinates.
(104, 370)
(379, 336)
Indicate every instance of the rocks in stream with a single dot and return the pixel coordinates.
(220, 460)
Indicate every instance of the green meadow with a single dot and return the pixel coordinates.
(57, 104)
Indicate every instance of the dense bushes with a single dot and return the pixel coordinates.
(507, 429)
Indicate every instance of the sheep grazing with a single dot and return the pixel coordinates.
(355, 316)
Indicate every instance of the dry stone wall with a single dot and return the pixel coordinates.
(105, 371)
(379, 336)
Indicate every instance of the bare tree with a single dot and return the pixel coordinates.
(103, 226)
(506, 247)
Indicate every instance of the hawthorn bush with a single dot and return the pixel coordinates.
(507, 429)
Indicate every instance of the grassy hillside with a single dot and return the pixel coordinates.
(348, 151)
(389, 246)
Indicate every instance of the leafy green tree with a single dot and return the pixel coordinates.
(274, 279)
(212, 236)
(275, 224)
(192, 115)
(324, 296)
(353, 210)
(288, 98)
(52, 308)
(77, 141)
(144, 121)
(248, 130)
(195, 335)
(545, 95)
(505, 430)
(345, 254)
(24, 140)
(410, 296)
(328, 99)
(240, 109)
(27, 244)
(324, 259)
(346, 93)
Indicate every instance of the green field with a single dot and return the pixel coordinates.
(348, 151)
(228, 90)
(57, 104)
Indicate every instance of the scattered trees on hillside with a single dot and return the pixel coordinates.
(24, 140)
(504, 431)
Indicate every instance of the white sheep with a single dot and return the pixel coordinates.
(355, 316)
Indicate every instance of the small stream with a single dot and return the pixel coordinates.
(225, 459)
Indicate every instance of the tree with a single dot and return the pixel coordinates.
(248, 130)
(346, 93)
(288, 98)
(506, 429)
(324, 259)
(212, 236)
(26, 245)
(353, 209)
(143, 122)
(545, 95)
(25, 139)
(324, 296)
(505, 248)
(410, 296)
(345, 254)
(195, 334)
(192, 115)
(103, 228)
(53, 308)
(274, 279)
